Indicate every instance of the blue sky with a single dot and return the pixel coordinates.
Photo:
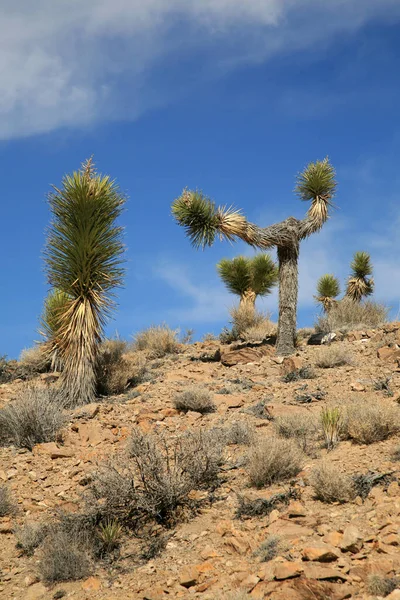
(234, 98)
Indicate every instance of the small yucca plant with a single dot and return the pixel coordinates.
(54, 307)
(110, 533)
(83, 261)
(328, 289)
(360, 283)
(331, 419)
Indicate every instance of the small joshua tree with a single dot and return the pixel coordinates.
(360, 285)
(249, 277)
(83, 261)
(328, 289)
(203, 220)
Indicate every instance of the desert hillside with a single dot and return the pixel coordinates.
(226, 472)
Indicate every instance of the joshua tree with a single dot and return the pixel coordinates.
(83, 261)
(249, 277)
(328, 289)
(359, 284)
(203, 220)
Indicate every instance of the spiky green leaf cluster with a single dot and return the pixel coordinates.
(53, 310)
(84, 245)
(258, 274)
(318, 180)
(328, 286)
(361, 265)
(198, 215)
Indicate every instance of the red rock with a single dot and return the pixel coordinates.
(287, 570)
(296, 509)
(188, 577)
(92, 584)
(51, 449)
(389, 353)
(290, 364)
(352, 540)
(245, 355)
(356, 386)
(321, 553)
(321, 573)
(333, 538)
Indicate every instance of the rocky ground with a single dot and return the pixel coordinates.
(329, 549)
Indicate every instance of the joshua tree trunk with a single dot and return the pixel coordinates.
(288, 288)
(248, 299)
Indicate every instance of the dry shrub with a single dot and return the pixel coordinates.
(156, 478)
(381, 586)
(30, 536)
(7, 506)
(370, 421)
(348, 315)
(250, 325)
(157, 340)
(63, 559)
(33, 361)
(272, 460)
(35, 417)
(303, 428)
(333, 356)
(116, 370)
(195, 398)
(240, 433)
(330, 485)
(273, 546)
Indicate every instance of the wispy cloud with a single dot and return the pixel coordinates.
(71, 63)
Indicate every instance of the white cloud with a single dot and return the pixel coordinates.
(71, 63)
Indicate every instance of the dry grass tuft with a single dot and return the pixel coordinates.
(195, 398)
(368, 421)
(273, 546)
(381, 586)
(347, 315)
(273, 459)
(158, 340)
(333, 356)
(33, 361)
(240, 433)
(331, 486)
(7, 506)
(62, 559)
(117, 370)
(35, 417)
(303, 428)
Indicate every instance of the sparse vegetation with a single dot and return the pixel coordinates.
(260, 507)
(273, 459)
(273, 546)
(348, 315)
(33, 361)
(248, 325)
(368, 422)
(195, 398)
(382, 384)
(333, 356)
(7, 505)
(118, 370)
(158, 340)
(330, 485)
(297, 374)
(331, 419)
(35, 417)
(303, 428)
(382, 586)
(110, 532)
(239, 433)
(62, 559)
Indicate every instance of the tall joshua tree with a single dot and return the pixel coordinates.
(84, 262)
(249, 277)
(360, 284)
(328, 289)
(203, 220)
